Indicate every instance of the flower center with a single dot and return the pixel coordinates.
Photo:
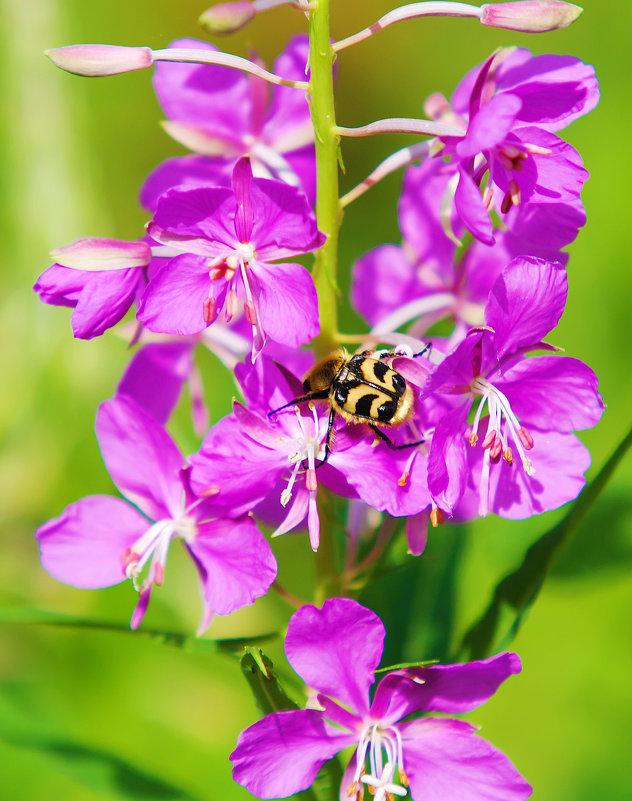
(152, 549)
(503, 426)
(310, 445)
(379, 753)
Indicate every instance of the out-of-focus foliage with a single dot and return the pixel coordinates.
(87, 714)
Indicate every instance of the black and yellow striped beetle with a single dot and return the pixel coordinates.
(361, 389)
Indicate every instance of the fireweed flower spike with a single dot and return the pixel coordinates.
(508, 109)
(336, 650)
(100, 540)
(227, 240)
(224, 115)
(531, 462)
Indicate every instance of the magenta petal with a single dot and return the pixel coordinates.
(458, 688)
(525, 303)
(287, 303)
(198, 219)
(447, 463)
(235, 563)
(446, 761)
(336, 649)
(241, 182)
(281, 754)
(553, 392)
(155, 376)
(471, 209)
(490, 125)
(183, 171)
(84, 546)
(417, 532)
(173, 302)
(141, 457)
(284, 223)
(208, 95)
(559, 176)
(555, 90)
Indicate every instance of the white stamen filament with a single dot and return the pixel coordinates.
(309, 447)
(384, 751)
(154, 545)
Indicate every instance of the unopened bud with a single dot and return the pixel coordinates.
(530, 16)
(227, 17)
(95, 60)
(95, 254)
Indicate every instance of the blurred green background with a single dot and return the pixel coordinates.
(97, 715)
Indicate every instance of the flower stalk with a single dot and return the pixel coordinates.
(321, 92)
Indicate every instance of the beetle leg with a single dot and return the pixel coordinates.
(390, 442)
(322, 395)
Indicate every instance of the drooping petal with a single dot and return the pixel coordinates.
(84, 546)
(287, 303)
(100, 299)
(553, 392)
(235, 563)
(155, 376)
(541, 229)
(446, 761)
(336, 649)
(141, 457)
(525, 303)
(447, 464)
(490, 125)
(173, 302)
(471, 209)
(417, 532)
(281, 754)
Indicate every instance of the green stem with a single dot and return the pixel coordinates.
(321, 91)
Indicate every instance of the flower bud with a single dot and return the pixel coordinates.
(94, 253)
(227, 17)
(98, 59)
(530, 16)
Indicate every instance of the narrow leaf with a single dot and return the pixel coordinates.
(515, 594)
(175, 639)
(267, 690)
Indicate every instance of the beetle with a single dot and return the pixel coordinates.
(362, 389)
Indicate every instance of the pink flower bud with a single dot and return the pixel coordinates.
(227, 17)
(530, 16)
(93, 253)
(97, 59)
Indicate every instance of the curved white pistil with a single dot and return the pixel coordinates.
(309, 447)
(496, 442)
(382, 746)
(154, 545)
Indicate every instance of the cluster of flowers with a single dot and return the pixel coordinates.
(483, 218)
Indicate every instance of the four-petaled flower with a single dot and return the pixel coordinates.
(336, 650)
(100, 540)
(227, 240)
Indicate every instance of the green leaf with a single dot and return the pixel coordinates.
(266, 688)
(416, 600)
(515, 594)
(175, 639)
(407, 665)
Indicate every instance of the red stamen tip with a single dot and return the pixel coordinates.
(436, 518)
(159, 574)
(490, 439)
(209, 311)
(210, 492)
(251, 312)
(525, 438)
(311, 482)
